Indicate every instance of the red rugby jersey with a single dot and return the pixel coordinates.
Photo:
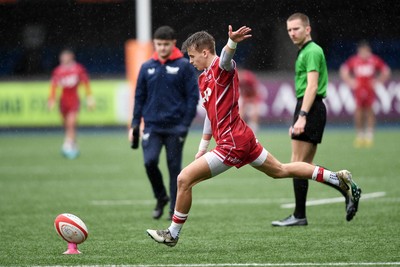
(68, 77)
(365, 70)
(219, 92)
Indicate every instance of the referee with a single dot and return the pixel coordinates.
(311, 80)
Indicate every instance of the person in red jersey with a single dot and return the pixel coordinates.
(236, 144)
(362, 72)
(252, 93)
(69, 75)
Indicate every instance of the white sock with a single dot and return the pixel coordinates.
(331, 177)
(323, 175)
(178, 219)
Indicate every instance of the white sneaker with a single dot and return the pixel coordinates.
(163, 237)
(290, 221)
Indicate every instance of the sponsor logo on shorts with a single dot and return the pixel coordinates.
(233, 160)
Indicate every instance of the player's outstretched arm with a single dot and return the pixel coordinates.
(228, 51)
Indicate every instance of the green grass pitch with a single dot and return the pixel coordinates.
(230, 218)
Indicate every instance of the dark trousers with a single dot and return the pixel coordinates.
(152, 144)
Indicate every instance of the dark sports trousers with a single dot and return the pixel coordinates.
(315, 125)
(152, 144)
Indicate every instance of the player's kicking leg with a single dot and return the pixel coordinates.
(353, 193)
(194, 173)
(272, 167)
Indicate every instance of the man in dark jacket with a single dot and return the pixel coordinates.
(166, 98)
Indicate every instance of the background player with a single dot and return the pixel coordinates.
(236, 144)
(166, 98)
(362, 72)
(68, 75)
(251, 100)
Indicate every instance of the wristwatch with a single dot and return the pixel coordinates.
(302, 113)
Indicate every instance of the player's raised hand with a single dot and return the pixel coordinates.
(239, 35)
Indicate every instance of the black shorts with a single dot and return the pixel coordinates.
(316, 120)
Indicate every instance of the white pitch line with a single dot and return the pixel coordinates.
(250, 264)
(238, 201)
(333, 200)
(216, 201)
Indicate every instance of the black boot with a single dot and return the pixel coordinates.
(159, 209)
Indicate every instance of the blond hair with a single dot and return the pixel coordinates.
(303, 17)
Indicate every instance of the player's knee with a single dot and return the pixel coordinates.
(183, 180)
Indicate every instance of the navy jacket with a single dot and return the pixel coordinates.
(166, 94)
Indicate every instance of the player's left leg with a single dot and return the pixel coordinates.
(199, 170)
(272, 167)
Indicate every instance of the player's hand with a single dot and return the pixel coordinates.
(200, 153)
(239, 35)
(130, 135)
(298, 127)
(90, 103)
(50, 104)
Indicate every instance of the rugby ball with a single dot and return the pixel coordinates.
(71, 228)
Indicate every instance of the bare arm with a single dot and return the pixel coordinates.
(311, 90)
(308, 100)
